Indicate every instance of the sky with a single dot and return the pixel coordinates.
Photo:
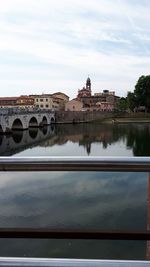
(53, 45)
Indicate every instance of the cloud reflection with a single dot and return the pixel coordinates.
(73, 200)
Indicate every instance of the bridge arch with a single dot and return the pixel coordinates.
(33, 122)
(1, 129)
(44, 120)
(52, 120)
(17, 124)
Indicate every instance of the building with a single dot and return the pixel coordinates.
(8, 101)
(62, 99)
(45, 101)
(104, 106)
(74, 105)
(62, 96)
(54, 101)
(21, 101)
(85, 91)
(25, 100)
(92, 102)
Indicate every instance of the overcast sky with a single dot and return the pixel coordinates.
(53, 45)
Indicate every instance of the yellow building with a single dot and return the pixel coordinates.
(62, 99)
(46, 101)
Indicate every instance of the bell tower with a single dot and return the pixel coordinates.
(88, 84)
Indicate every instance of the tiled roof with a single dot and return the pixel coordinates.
(9, 98)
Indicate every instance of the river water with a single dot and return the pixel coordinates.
(102, 200)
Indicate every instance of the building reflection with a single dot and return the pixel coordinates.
(85, 135)
(135, 137)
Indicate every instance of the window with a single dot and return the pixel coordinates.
(41, 106)
(46, 106)
(46, 99)
(41, 99)
(37, 100)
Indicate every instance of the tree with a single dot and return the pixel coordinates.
(131, 101)
(122, 104)
(142, 91)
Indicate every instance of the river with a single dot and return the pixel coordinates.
(104, 201)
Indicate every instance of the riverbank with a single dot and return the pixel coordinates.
(131, 120)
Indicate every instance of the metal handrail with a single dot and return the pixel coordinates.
(126, 164)
(34, 262)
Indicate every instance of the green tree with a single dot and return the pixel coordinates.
(131, 101)
(122, 104)
(142, 91)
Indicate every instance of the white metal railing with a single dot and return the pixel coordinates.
(126, 164)
(38, 262)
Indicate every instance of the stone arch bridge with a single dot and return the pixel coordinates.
(21, 119)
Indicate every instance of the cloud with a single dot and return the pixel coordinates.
(67, 40)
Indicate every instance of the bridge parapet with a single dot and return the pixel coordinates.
(27, 110)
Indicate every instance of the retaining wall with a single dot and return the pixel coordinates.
(81, 116)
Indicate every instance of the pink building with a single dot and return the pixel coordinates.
(105, 106)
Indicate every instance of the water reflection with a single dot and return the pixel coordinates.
(81, 139)
(19, 141)
(1, 139)
(132, 136)
(17, 137)
(33, 132)
(138, 140)
(74, 201)
(45, 129)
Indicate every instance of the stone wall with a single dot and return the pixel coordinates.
(87, 116)
(81, 116)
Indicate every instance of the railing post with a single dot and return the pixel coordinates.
(148, 217)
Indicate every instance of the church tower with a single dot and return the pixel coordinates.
(88, 84)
